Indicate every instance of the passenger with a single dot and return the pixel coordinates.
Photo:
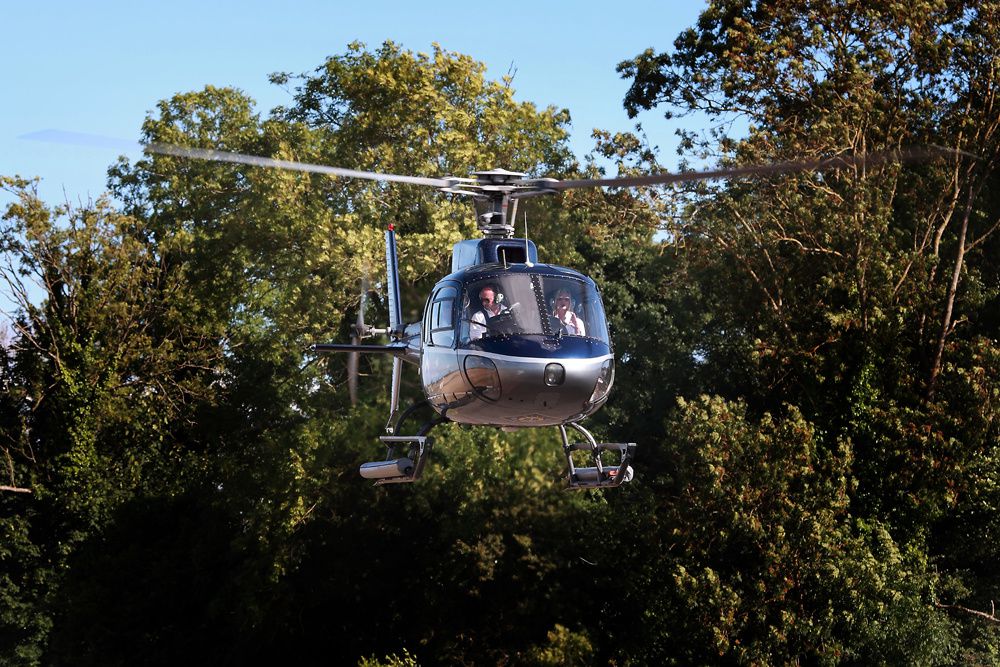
(572, 324)
(490, 306)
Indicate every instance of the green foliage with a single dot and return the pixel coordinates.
(862, 296)
(243, 450)
(564, 647)
(102, 380)
(24, 579)
(774, 554)
(392, 660)
(808, 363)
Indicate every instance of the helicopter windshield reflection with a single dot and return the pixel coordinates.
(530, 304)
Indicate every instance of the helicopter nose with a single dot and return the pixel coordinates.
(550, 392)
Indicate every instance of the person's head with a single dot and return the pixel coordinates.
(488, 297)
(563, 300)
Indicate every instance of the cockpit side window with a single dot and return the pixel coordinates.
(441, 317)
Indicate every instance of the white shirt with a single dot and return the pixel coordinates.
(574, 325)
(478, 327)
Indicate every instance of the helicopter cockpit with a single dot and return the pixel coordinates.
(516, 345)
(530, 304)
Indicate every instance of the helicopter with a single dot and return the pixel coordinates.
(504, 341)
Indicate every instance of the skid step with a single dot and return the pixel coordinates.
(599, 474)
(593, 476)
(399, 467)
(619, 447)
(381, 469)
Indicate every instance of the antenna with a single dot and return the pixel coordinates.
(527, 255)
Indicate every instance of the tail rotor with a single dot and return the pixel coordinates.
(358, 332)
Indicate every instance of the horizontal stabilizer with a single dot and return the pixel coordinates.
(322, 348)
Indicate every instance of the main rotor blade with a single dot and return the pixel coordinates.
(257, 161)
(817, 164)
(82, 139)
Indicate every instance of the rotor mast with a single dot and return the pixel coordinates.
(495, 194)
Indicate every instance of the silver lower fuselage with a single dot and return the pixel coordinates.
(519, 396)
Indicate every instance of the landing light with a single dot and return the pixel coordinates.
(555, 375)
(604, 382)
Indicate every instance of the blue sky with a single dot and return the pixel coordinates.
(98, 67)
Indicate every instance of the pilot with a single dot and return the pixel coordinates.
(490, 306)
(572, 323)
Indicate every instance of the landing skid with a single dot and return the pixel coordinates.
(398, 468)
(599, 475)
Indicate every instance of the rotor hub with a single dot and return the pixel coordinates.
(498, 177)
(495, 194)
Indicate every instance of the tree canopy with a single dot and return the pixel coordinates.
(808, 362)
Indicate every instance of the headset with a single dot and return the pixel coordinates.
(497, 294)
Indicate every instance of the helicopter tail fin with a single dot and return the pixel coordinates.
(392, 283)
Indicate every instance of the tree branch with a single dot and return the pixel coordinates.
(991, 617)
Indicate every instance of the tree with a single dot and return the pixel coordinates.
(103, 376)
(243, 268)
(867, 294)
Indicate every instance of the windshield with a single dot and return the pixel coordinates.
(531, 304)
